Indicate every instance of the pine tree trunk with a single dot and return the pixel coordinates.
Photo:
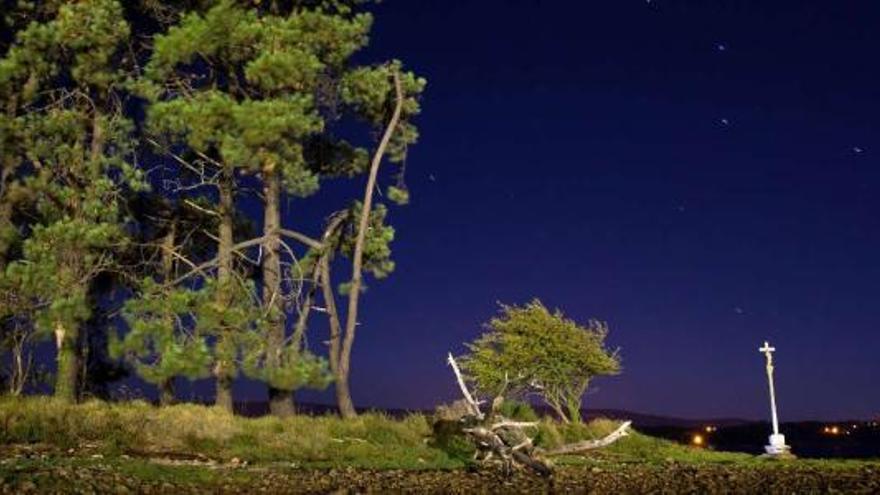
(19, 373)
(223, 370)
(166, 392)
(166, 388)
(68, 363)
(343, 397)
(167, 252)
(340, 381)
(223, 398)
(5, 210)
(280, 401)
(7, 168)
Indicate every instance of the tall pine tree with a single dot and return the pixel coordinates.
(63, 80)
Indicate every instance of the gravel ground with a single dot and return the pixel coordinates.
(613, 479)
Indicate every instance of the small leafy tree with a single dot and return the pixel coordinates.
(529, 350)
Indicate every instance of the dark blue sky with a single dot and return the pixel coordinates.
(701, 174)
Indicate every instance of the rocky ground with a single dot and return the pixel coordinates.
(41, 472)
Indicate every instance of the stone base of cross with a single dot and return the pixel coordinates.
(777, 445)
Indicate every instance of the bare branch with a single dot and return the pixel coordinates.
(514, 424)
(192, 204)
(308, 241)
(474, 405)
(210, 263)
(573, 448)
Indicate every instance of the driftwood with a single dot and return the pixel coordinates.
(574, 448)
(502, 440)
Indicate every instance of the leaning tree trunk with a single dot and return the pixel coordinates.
(223, 370)
(343, 395)
(280, 401)
(68, 362)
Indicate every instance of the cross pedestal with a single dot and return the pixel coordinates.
(777, 445)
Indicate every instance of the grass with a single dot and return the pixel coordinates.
(372, 441)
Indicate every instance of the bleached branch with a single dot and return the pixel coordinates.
(475, 407)
(574, 448)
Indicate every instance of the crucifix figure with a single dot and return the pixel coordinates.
(777, 441)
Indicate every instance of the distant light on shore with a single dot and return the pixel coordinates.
(831, 430)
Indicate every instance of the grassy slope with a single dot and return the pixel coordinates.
(39, 434)
(138, 428)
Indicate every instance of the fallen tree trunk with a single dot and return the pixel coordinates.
(574, 448)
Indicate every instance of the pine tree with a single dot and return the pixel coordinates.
(63, 81)
(218, 120)
(255, 89)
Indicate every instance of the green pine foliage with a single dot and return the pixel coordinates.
(163, 341)
(377, 245)
(296, 368)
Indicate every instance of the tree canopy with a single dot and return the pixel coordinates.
(530, 350)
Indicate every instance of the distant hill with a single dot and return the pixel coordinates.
(652, 420)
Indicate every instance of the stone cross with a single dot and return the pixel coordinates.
(777, 441)
(768, 351)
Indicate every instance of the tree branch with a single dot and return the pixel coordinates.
(308, 241)
(473, 404)
(573, 448)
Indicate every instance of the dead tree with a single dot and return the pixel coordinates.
(501, 440)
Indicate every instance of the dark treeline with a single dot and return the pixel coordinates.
(131, 134)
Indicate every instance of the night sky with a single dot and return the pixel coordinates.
(703, 175)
